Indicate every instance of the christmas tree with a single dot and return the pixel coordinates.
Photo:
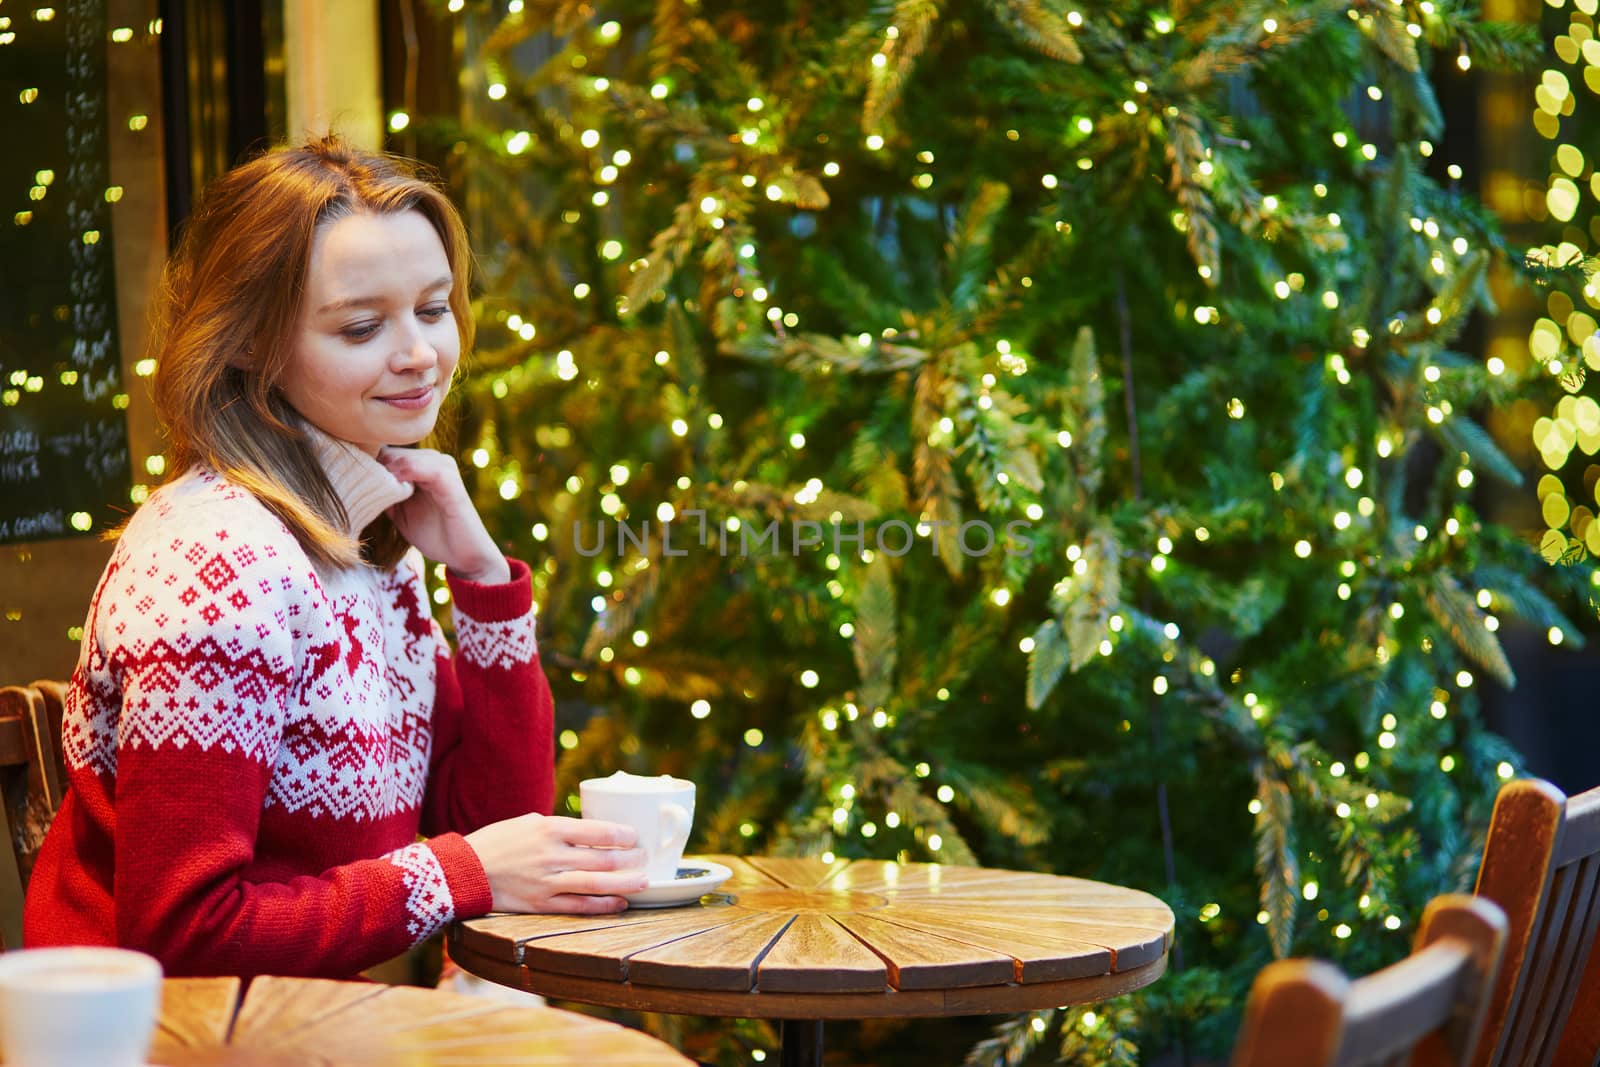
(1013, 432)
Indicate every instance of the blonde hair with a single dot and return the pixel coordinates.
(226, 315)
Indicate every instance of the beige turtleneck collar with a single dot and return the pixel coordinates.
(364, 485)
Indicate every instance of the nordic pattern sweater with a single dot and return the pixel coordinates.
(254, 745)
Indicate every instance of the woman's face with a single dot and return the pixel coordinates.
(376, 343)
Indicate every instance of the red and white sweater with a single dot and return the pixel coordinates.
(253, 745)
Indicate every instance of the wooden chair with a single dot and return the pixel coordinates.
(1426, 1010)
(1541, 864)
(32, 782)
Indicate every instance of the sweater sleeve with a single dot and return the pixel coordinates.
(204, 650)
(494, 750)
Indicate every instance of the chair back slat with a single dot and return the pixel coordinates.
(13, 764)
(1543, 977)
(53, 697)
(32, 786)
(1571, 954)
(1541, 863)
(1579, 1042)
(1426, 1010)
(1580, 837)
(13, 749)
(1387, 1013)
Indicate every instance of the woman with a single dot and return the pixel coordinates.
(264, 715)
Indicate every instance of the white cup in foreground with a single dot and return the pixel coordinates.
(660, 808)
(65, 1007)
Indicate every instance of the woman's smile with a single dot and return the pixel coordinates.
(413, 400)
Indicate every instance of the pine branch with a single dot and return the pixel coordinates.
(1543, 269)
(876, 632)
(972, 245)
(1186, 150)
(880, 479)
(687, 360)
(997, 447)
(638, 590)
(1038, 26)
(755, 788)
(1046, 662)
(1497, 46)
(670, 118)
(780, 503)
(1004, 808)
(912, 24)
(1231, 38)
(667, 250)
(675, 29)
(601, 738)
(1460, 617)
(1015, 1039)
(681, 677)
(1093, 596)
(811, 352)
(1106, 1043)
(560, 17)
(1456, 299)
(1385, 26)
(1526, 601)
(1416, 106)
(932, 817)
(1360, 867)
(1087, 415)
(932, 473)
(968, 642)
(1461, 434)
(1277, 867)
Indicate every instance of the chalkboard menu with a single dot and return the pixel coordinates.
(64, 460)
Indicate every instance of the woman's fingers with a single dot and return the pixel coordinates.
(594, 833)
(418, 458)
(424, 462)
(573, 904)
(603, 859)
(597, 883)
(439, 518)
(433, 472)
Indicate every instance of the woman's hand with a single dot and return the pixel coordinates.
(550, 863)
(439, 517)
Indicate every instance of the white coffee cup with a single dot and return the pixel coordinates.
(66, 1007)
(660, 808)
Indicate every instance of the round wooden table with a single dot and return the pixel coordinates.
(304, 1022)
(802, 941)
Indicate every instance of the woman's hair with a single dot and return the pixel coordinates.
(226, 316)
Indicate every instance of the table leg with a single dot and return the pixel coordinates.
(802, 1042)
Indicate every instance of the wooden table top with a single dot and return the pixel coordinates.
(303, 1022)
(792, 938)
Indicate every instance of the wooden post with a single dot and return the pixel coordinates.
(330, 51)
(802, 1042)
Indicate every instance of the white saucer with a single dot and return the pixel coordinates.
(696, 877)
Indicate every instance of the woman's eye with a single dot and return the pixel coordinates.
(359, 333)
(435, 313)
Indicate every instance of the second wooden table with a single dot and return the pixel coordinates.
(309, 1022)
